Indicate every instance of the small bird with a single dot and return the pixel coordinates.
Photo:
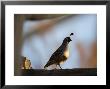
(61, 54)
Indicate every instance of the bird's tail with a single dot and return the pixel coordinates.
(46, 65)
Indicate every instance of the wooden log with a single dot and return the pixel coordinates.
(61, 72)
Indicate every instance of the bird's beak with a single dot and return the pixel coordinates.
(70, 40)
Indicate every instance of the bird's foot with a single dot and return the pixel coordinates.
(60, 67)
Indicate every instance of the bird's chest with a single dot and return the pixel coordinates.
(66, 52)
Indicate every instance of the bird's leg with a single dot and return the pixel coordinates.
(59, 66)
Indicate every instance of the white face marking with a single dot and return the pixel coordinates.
(66, 53)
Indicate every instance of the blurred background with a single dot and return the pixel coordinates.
(42, 34)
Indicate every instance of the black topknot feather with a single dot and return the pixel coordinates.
(71, 34)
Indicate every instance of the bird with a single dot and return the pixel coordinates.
(61, 54)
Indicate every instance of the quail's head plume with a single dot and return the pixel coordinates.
(61, 54)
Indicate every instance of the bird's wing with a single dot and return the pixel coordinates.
(58, 53)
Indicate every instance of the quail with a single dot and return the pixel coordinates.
(61, 54)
